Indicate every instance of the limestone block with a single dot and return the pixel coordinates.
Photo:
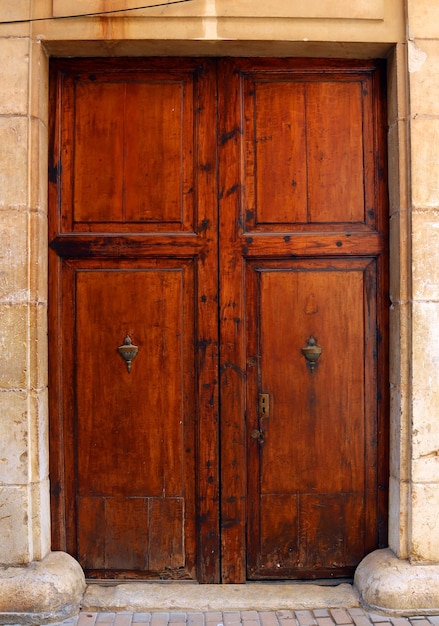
(425, 524)
(39, 82)
(399, 432)
(397, 167)
(40, 519)
(423, 18)
(17, 10)
(38, 435)
(13, 346)
(425, 255)
(400, 270)
(334, 9)
(399, 348)
(396, 587)
(38, 247)
(38, 166)
(13, 162)
(397, 85)
(399, 500)
(45, 591)
(425, 162)
(14, 93)
(13, 256)
(14, 461)
(14, 525)
(38, 356)
(425, 359)
(424, 78)
(425, 436)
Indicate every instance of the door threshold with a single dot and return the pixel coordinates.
(189, 596)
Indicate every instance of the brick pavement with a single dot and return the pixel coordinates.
(318, 617)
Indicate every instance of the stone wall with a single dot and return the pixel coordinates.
(405, 33)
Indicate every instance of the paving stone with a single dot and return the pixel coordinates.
(420, 621)
(356, 612)
(434, 619)
(123, 619)
(325, 621)
(321, 613)
(250, 615)
(177, 617)
(107, 618)
(195, 619)
(213, 616)
(268, 618)
(141, 617)
(305, 618)
(284, 615)
(378, 618)
(159, 619)
(362, 620)
(340, 616)
(399, 621)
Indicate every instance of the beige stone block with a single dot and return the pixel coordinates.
(399, 509)
(39, 82)
(334, 9)
(14, 93)
(423, 18)
(38, 249)
(48, 591)
(17, 10)
(38, 165)
(14, 525)
(38, 357)
(425, 162)
(14, 437)
(398, 159)
(397, 84)
(424, 79)
(13, 346)
(13, 256)
(13, 162)
(425, 341)
(400, 269)
(399, 344)
(38, 436)
(400, 432)
(425, 436)
(425, 523)
(40, 515)
(425, 255)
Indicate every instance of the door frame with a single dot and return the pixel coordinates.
(233, 365)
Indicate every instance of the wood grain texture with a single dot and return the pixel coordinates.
(220, 212)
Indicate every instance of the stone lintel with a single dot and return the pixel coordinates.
(394, 586)
(41, 592)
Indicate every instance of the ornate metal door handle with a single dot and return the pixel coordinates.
(312, 352)
(128, 352)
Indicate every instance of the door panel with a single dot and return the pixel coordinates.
(303, 257)
(309, 465)
(223, 214)
(134, 460)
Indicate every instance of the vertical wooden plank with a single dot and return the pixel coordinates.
(207, 341)
(232, 361)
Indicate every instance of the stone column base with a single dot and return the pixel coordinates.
(390, 585)
(41, 592)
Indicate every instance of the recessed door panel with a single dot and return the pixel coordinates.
(310, 480)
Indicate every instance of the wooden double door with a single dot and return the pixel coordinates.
(218, 379)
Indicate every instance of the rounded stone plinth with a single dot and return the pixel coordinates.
(41, 592)
(390, 585)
